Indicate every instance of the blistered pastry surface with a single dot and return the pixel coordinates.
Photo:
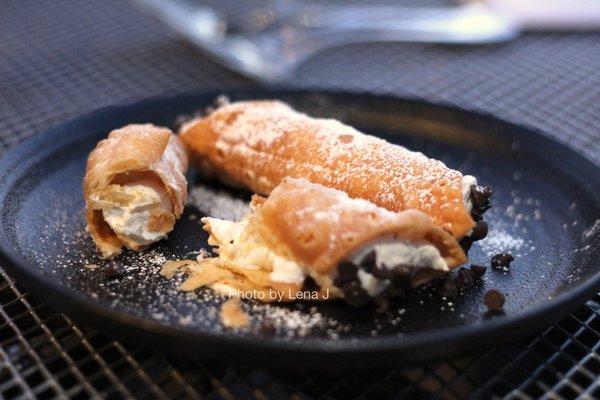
(320, 226)
(303, 230)
(257, 143)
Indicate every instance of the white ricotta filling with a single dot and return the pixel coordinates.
(372, 285)
(286, 271)
(250, 255)
(391, 253)
(131, 220)
(466, 183)
(403, 253)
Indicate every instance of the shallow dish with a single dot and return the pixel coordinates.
(545, 212)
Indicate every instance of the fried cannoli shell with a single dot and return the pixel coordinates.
(254, 144)
(305, 230)
(137, 151)
(321, 226)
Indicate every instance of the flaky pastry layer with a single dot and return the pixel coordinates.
(133, 153)
(304, 230)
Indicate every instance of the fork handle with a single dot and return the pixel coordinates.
(550, 14)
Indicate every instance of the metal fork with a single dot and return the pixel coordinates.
(271, 42)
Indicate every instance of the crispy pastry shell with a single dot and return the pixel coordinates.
(255, 144)
(321, 226)
(316, 227)
(133, 151)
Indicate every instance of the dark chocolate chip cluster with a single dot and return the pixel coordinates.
(480, 200)
(480, 231)
(463, 280)
(501, 261)
(397, 279)
(494, 300)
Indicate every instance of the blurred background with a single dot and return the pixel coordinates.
(534, 62)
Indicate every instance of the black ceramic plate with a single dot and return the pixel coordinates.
(545, 212)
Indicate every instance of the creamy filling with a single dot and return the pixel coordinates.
(467, 182)
(242, 250)
(128, 210)
(391, 253)
(372, 285)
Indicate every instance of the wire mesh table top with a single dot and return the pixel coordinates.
(63, 58)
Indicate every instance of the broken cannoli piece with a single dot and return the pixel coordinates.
(134, 187)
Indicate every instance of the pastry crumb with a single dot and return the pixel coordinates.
(170, 267)
(232, 315)
(203, 254)
(91, 267)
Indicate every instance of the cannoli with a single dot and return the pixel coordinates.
(255, 144)
(134, 187)
(307, 237)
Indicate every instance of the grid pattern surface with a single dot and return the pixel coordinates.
(62, 58)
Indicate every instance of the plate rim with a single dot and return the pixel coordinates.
(492, 330)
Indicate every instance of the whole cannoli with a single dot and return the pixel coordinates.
(134, 187)
(255, 144)
(307, 237)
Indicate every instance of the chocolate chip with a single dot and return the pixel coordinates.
(382, 272)
(310, 285)
(346, 273)
(466, 242)
(368, 261)
(267, 328)
(351, 286)
(402, 278)
(501, 260)
(382, 303)
(478, 270)
(347, 269)
(448, 290)
(395, 291)
(464, 278)
(111, 271)
(354, 294)
(493, 300)
(481, 194)
(480, 230)
(480, 197)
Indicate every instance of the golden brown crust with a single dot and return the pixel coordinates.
(321, 226)
(132, 151)
(233, 315)
(257, 143)
(313, 228)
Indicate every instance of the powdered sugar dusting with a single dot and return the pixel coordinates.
(592, 230)
(501, 241)
(140, 271)
(218, 203)
(289, 322)
(272, 141)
